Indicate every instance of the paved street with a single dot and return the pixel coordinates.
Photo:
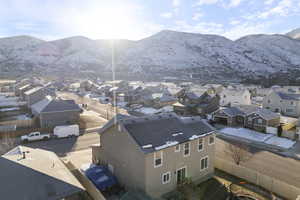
(105, 110)
(65, 145)
(282, 168)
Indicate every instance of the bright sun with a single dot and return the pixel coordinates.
(107, 22)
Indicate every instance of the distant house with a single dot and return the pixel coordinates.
(248, 116)
(37, 94)
(35, 174)
(286, 103)
(156, 153)
(231, 97)
(197, 105)
(52, 112)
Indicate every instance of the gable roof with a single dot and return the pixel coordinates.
(61, 105)
(33, 90)
(250, 109)
(156, 132)
(288, 96)
(41, 175)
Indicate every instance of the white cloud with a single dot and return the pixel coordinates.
(234, 22)
(246, 28)
(269, 2)
(175, 3)
(206, 2)
(197, 16)
(167, 15)
(281, 9)
(201, 27)
(234, 3)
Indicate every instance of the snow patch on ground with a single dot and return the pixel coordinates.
(258, 137)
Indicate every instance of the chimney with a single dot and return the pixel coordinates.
(24, 155)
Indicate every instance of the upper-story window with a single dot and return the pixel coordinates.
(269, 101)
(186, 149)
(158, 159)
(177, 148)
(292, 103)
(211, 139)
(259, 121)
(200, 144)
(204, 163)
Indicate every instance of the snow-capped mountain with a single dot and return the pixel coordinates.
(294, 34)
(165, 51)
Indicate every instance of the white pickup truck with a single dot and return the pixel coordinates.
(34, 136)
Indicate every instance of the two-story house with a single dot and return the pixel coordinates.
(286, 103)
(231, 97)
(156, 153)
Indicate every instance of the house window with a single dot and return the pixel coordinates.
(289, 110)
(186, 150)
(200, 144)
(224, 96)
(211, 139)
(269, 101)
(204, 163)
(292, 103)
(259, 121)
(166, 178)
(158, 159)
(177, 148)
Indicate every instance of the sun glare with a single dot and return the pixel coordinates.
(107, 23)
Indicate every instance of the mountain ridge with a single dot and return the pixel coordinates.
(164, 53)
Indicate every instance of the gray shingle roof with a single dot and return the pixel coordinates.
(61, 105)
(288, 96)
(162, 131)
(249, 109)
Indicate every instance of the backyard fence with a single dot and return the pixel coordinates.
(269, 183)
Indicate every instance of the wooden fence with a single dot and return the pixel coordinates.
(274, 185)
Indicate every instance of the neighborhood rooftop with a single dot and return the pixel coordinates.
(157, 132)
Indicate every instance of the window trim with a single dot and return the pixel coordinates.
(154, 159)
(199, 150)
(207, 163)
(186, 155)
(209, 140)
(177, 150)
(162, 178)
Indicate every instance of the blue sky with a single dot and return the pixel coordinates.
(136, 19)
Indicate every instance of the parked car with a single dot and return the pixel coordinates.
(66, 131)
(34, 136)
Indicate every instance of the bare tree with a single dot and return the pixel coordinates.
(6, 144)
(239, 153)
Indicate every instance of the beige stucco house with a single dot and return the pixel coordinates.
(234, 97)
(284, 103)
(156, 153)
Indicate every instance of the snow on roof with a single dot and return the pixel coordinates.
(258, 137)
(245, 133)
(280, 142)
(167, 144)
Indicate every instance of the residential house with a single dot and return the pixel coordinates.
(37, 94)
(248, 116)
(231, 97)
(54, 112)
(156, 153)
(35, 174)
(197, 105)
(285, 103)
